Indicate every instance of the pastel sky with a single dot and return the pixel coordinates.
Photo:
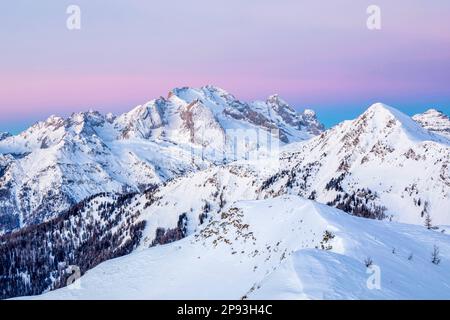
(314, 53)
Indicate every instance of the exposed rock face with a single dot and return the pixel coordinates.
(377, 166)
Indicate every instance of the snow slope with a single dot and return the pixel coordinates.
(276, 249)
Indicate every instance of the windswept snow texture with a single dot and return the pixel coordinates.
(434, 121)
(282, 248)
(59, 162)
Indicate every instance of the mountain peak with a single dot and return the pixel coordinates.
(215, 89)
(434, 121)
(384, 113)
(53, 120)
(310, 113)
(281, 107)
(91, 118)
(275, 99)
(4, 135)
(434, 112)
(208, 92)
(110, 117)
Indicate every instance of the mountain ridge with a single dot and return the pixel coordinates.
(377, 166)
(307, 254)
(58, 162)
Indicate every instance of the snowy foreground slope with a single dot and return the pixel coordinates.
(278, 249)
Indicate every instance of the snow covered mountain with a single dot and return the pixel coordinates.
(282, 248)
(4, 135)
(203, 116)
(59, 162)
(434, 121)
(107, 226)
(381, 165)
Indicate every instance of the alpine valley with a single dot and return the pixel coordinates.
(169, 201)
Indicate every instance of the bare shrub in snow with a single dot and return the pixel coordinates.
(435, 255)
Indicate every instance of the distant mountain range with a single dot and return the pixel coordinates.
(281, 248)
(163, 185)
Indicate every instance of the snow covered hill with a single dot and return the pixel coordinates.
(381, 165)
(59, 162)
(282, 248)
(107, 226)
(434, 121)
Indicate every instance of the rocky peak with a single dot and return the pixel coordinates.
(139, 122)
(310, 114)
(285, 111)
(4, 135)
(44, 132)
(385, 120)
(435, 113)
(53, 123)
(434, 121)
